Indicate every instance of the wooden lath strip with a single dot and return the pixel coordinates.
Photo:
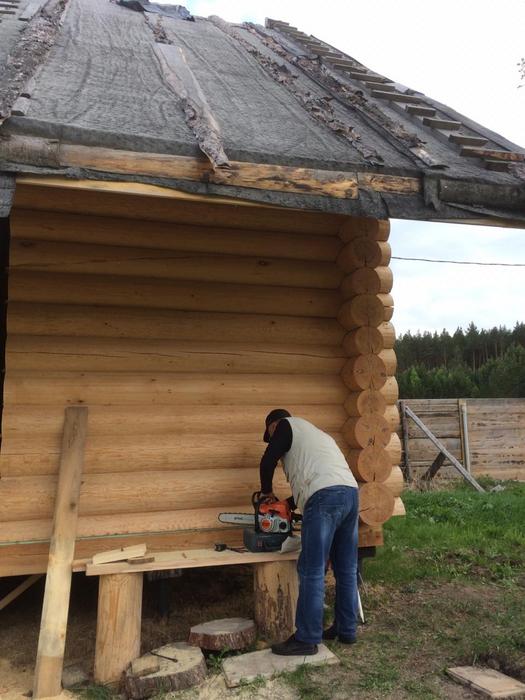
(438, 123)
(395, 96)
(509, 156)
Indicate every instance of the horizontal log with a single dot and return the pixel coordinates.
(125, 420)
(367, 280)
(30, 352)
(362, 431)
(399, 508)
(392, 417)
(362, 310)
(24, 559)
(395, 481)
(390, 361)
(390, 390)
(356, 226)
(119, 322)
(112, 231)
(32, 497)
(108, 199)
(39, 454)
(394, 449)
(376, 503)
(364, 252)
(80, 258)
(362, 403)
(365, 372)
(163, 294)
(369, 339)
(60, 388)
(371, 463)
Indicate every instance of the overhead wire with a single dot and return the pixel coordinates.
(459, 262)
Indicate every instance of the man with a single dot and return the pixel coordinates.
(325, 489)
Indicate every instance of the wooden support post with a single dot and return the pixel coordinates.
(52, 639)
(118, 624)
(463, 431)
(434, 468)
(407, 472)
(276, 588)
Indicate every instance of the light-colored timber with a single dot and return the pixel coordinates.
(118, 624)
(390, 390)
(364, 252)
(361, 403)
(369, 339)
(55, 610)
(376, 503)
(365, 372)
(393, 418)
(362, 310)
(355, 227)
(122, 554)
(228, 633)
(362, 431)
(367, 280)
(276, 590)
(371, 463)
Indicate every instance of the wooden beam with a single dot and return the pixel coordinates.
(438, 123)
(328, 183)
(471, 152)
(395, 96)
(434, 468)
(118, 625)
(30, 580)
(52, 639)
(276, 589)
(420, 111)
(467, 140)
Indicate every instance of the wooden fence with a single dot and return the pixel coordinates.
(490, 439)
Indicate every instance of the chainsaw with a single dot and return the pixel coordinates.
(270, 524)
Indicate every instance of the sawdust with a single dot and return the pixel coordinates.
(214, 688)
(16, 683)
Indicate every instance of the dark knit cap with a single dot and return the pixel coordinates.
(274, 415)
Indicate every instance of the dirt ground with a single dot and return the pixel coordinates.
(412, 634)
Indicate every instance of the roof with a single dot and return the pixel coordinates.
(235, 110)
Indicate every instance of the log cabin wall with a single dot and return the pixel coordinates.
(180, 327)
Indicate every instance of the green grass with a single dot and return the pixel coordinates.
(456, 534)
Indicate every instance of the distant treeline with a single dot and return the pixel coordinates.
(475, 363)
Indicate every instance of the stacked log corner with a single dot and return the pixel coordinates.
(370, 431)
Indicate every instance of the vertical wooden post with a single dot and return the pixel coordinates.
(118, 624)
(52, 639)
(463, 431)
(407, 472)
(276, 589)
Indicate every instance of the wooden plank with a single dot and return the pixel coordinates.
(52, 638)
(163, 294)
(420, 111)
(30, 580)
(133, 201)
(439, 123)
(112, 231)
(422, 450)
(52, 388)
(467, 140)
(472, 152)
(121, 554)
(80, 258)
(395, 96)
(389, 183)
(29, 352)
(33, 318)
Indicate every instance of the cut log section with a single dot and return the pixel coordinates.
(369, 339)
(363, 310)
(366, 402)
(230, 633)
(376, 503)
(275, 592)
(366, 430)
(367, 280)
(372, 463)
(394, 449)
(393, 418)
(364, 252)
(390, 390)
(356, 226)
(365, 372)
(181, 666)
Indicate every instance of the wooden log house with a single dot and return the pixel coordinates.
(195, 221)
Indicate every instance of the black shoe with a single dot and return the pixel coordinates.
(331, 633)
(294, 647)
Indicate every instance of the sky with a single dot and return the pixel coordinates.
(463, 53)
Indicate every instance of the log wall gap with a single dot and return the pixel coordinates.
(5, 239)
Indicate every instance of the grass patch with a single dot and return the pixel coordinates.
(456, 534)
(305, 683)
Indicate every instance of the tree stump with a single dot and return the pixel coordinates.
(229, 633)
(180, 666)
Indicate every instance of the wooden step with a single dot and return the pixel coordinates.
(341, 63)
(420, 111)
(466, 140)
(446, 124)
(491, 154)
(373, 84)
(395, 96)
(500, 166)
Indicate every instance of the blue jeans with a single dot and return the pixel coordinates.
(329, 531)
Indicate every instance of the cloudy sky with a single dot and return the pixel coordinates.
(463, 53)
